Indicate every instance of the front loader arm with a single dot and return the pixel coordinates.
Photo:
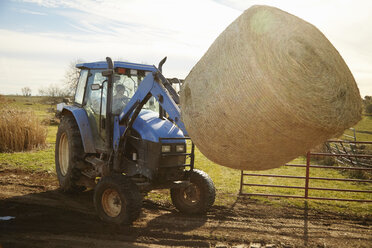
(155, 85)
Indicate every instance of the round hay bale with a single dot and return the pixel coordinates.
(269, 88)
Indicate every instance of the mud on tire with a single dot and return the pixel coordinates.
(117, 199)
(196, 198)
(69, 155)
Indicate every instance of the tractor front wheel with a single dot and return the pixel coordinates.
(197, 197)
(117, 199)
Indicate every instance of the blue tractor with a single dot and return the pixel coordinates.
(123, 136)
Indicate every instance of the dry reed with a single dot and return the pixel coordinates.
(20, 130)
(269, 88)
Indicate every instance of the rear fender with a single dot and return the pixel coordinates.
(81, 118)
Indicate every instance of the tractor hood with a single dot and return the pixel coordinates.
(151, 127)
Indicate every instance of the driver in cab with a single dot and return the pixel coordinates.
(119, 99)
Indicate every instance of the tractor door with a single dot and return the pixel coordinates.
(95, 106)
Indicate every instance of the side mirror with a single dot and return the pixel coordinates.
(95, 87)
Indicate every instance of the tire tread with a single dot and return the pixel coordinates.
(132, 195)
(208, 189)
(69, 125)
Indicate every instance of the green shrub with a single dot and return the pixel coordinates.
(369, 108)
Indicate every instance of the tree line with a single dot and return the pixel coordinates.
(54, 92)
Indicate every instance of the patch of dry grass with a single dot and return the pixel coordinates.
(20, 130)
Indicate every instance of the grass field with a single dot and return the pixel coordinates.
(227, 181)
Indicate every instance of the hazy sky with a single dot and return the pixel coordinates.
(39, 38)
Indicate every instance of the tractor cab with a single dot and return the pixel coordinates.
(92, 95)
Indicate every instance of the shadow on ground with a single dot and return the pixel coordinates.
(55, 219)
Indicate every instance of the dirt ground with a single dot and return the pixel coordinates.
(46, 217)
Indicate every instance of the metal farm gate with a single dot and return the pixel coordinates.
(348, 153)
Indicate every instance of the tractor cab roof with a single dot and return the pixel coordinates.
(117, 64)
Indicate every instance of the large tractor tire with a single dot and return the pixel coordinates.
(117, 199)
(69, 155)
(197, 197)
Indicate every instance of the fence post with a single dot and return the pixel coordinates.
(241, 183)
(307, 174)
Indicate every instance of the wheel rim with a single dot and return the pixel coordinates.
(63, 154)
(191, 195)
(111, 202)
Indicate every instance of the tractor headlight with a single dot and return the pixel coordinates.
(165, 148)
(180, 148)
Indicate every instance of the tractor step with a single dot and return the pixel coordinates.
(96, 162)
(90, 173)
(99, 165)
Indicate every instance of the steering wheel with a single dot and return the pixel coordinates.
(126, 93)
(125, 99)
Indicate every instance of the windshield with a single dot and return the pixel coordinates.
(124, 88)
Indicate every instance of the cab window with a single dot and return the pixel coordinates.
(124, 88)
(79, 94)
(93, 97)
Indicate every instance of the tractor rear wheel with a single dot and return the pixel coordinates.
(117, 199)
(197, 197)
(69, 155)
